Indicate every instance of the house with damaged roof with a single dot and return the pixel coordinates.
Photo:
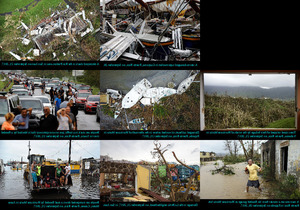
(65, 23)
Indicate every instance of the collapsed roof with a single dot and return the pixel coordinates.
(60, 23)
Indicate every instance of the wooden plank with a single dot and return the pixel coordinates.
(154, 195)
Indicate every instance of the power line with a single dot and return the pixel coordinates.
(86, 150)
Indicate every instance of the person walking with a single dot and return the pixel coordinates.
(32, 88)
(51, 93)
(48, 122)
(253, 181)
(63, 120)
(33, 174)
(72, 125)
(57, 103)
(67, 172)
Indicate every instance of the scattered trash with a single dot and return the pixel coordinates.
(15, 55)
(36, 52)
(147, 95)
(66, 23)
(144, 37)
(25, 41)
(24, 26)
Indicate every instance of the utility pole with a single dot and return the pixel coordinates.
(29, 164)
(70, 151)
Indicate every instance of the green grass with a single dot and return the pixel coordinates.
(40, 11)
(283, 123)
(10, 6)
(32, 16)
(108, 111)
(2, 84)
(95, 90)
(2, 20)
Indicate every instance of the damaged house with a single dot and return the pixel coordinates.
(124, 181)
(64, 23)
(282, 156)
(207, 156)
(61, 23)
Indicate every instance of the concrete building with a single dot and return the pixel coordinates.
(283, 156)
(268, 156)
(207, 156)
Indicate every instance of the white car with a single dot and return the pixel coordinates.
(46, 102)
(37, 82)
(48, 87)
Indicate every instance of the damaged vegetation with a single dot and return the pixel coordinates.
(175, 112)
(51, 31)
(230, 112)
(225, 170)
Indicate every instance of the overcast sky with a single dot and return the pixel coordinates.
(217, 146)
(187, 151)
(52, 149)
(260, 80)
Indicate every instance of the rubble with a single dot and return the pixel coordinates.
(36, 52)
(150, 34)
(65, 23)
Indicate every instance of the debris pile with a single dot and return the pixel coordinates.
(66, 23)
(226, 170)
(150, 30)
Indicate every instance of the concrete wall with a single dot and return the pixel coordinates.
(293, 160)
(143, 178)
(268, 155)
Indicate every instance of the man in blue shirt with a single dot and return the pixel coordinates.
(57, 103)
(22, 120)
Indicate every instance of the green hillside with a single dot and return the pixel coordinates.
(223, 112)
(284, 123)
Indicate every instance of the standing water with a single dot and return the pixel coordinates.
(219, 186)
(14, 186)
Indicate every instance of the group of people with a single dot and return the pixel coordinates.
(20, 121)
(65, 119)
(61, 177)
(63, 95)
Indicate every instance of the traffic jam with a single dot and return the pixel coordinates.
(47, 104)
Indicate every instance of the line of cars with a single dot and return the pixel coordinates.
(21, 96)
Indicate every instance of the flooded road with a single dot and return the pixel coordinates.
(124, 80)
(221, 186)
(14, 186)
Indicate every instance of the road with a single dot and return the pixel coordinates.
(84, 121)
(219, 186)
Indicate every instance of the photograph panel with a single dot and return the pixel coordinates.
(250, 169)
(244, 99)
(48, 170)
(49, 100)
(150, 30)
(153, 171)
(149, 100)
(46, 30)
